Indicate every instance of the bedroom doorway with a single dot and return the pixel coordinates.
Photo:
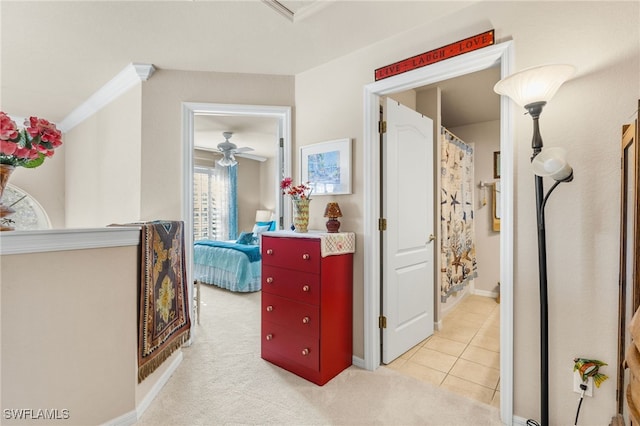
(280, 115)
(498, 55)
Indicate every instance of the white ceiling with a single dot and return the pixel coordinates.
(259, 133)
(470, 98)
(466, 100)
(56, 54)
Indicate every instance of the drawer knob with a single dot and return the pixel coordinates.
(306, 256)
(269, 251)
(306, 320)
(269, 280)
(305, 288)
(269, 308)
(305, 352)
(269, 336)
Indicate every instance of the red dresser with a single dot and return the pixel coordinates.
(307, 302)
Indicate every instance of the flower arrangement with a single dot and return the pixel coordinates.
(297, 192)
(29, 146)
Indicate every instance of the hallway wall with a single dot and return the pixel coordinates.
(582, 218)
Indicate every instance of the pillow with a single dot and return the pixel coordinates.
(271, 223)
(245, 238)
(259, 229)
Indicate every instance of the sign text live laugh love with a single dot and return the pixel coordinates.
(436, 55)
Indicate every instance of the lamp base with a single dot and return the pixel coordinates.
(333, 225)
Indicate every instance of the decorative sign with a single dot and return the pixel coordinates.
(440, 54)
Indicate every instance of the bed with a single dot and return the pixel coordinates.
(232, 265)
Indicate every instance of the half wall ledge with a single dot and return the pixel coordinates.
(39, 241)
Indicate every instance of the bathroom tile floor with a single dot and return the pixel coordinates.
(463, 357)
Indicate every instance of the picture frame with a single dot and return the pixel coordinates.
(326, 166)
(496, 164)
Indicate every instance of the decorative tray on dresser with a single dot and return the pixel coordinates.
(307, 302)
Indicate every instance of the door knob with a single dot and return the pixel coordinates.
(431, 238)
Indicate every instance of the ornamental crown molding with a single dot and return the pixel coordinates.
(131, 75)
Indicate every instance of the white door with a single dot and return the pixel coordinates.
(407, 243)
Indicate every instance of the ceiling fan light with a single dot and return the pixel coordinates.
(227, 160)
(537, 84)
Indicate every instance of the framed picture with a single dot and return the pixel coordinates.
(496, 164)
(327, 167)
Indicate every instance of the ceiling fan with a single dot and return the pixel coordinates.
(229, 150)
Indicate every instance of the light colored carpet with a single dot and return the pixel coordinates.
(223, 381)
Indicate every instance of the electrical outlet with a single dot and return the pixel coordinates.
(577, 381)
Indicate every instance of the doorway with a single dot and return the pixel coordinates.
(501, 54)
(190, 110)
(462, 355)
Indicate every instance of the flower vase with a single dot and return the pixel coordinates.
(301, 215)
(5, 172)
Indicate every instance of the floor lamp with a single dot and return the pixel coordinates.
(532, 89)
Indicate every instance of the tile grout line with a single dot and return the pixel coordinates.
(467, 345)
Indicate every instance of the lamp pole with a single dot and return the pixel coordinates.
(535, 109)
(544, 311)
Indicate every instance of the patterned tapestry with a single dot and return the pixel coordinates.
(456, 220)
(164, 322)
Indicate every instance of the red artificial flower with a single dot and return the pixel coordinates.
(7, 147)
(28, 146)
(302, 191)
(286, 183)
(8, 129)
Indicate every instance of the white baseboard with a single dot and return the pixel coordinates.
(130, 418)
(155, 390)
(358, 362)
(485, 293)
(126, 419)
(519, 421)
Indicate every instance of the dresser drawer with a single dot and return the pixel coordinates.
(301, 349)
(298, 317)
(301, 286)
(303, 255)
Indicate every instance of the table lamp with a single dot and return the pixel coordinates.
(332, 211)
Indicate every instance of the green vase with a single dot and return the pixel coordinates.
(301, 215)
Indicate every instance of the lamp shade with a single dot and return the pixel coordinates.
(552, 162)
(263, 215)
(537, 84)
(332, 210)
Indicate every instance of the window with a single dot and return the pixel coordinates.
(215, 203)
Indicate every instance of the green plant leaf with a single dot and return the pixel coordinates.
(31, 164)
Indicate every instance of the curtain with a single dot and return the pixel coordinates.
(215, 203)
(457, 229)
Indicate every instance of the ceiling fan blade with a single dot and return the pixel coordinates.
(212, 150)
(253, 157)
(243, 149)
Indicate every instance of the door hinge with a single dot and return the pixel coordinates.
(382, 321)
(382, 127)
(281, 142)
(382, 224)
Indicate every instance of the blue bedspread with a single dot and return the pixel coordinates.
(252, 252)
(221, 264)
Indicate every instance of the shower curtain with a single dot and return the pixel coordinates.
(458, 265)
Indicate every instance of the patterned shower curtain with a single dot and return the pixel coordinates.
(456, 220)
